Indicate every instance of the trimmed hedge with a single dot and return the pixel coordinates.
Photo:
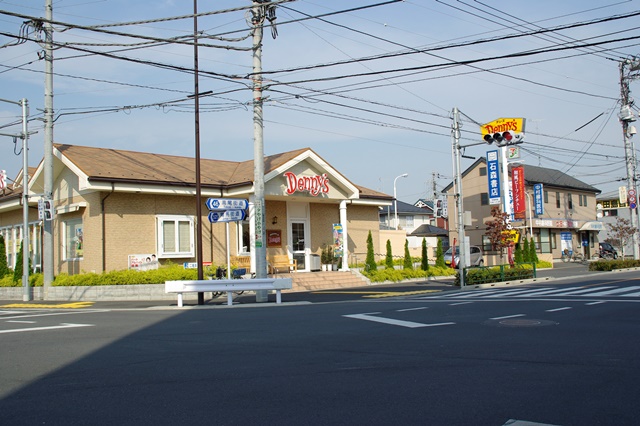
(397, 275)
(609, 265)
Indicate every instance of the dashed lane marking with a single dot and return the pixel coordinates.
(73, 305)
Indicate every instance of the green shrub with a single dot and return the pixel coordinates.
(389, 258)
(495, 274)
(4, 267)
(610, 265)
(370, 261)
(424, 261)
(408, 261)
(440, 255)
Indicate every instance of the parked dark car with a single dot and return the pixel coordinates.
(608, 248)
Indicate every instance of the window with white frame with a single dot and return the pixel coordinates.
(175, 236)
(73, 239)
(406, 221)
(244, 237)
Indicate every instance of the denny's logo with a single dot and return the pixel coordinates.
(314, 185)
(502, 125)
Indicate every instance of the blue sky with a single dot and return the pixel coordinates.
(372, 127)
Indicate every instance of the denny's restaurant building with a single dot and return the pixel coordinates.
(121, 209)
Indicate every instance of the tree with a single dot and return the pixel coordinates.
(370, 262)
(389, 259)
(424, 265)
(496, 230)
(526, 255)
(4, 267)
(440, 255)
(408, 262)
(533, 254)
(17, 272)
(519, 255)
(621, 232)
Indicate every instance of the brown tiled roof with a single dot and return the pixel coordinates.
(119, 165)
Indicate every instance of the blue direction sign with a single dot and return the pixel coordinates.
(227, 216)
(221, 204)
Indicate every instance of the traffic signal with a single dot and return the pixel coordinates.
(504, 138)
(513, 138)
(438, 208)
(48, 210)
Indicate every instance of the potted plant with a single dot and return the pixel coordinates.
(326, 257)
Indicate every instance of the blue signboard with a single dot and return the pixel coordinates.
(493, 173)
(227, 216)
(221, 204)
(538, 199)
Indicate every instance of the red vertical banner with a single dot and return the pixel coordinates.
(519, 204)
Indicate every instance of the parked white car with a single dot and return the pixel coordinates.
(476, 258)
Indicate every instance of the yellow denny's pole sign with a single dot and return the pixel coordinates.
(501, 125)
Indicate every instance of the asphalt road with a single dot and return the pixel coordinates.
(562, 353)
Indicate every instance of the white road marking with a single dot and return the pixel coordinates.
(412, 309)
(22, 322)
(408, 324)
(53, 327)
(559, 309)
(596, 303)
(460, 303)
(614, 291)
(508, 316)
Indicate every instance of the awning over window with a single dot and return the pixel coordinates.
(592, 226)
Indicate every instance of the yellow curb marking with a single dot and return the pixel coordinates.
(74, 305)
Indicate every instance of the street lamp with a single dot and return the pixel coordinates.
(395, 199)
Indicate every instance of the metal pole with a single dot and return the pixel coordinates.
(258, 150)
(455, 139)
(47, 225)
(26, 252)
(530, 215)
(395, 199)
(196, 90)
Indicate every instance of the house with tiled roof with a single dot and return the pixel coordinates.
(114, 207)
(562, 215)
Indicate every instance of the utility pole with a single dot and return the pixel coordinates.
(259, 223)
(629, 71)
(457, 173)
(47, 225)
(196, 94)
(26, 252)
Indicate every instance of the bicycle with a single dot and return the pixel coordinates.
(570, 256)
(221, 273)
(603, 255)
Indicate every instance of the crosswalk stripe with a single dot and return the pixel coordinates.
(614, 291)
(631, 294)
(558, 291)
(585, 290)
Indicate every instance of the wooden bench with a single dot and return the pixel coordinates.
(200, 286)
(241, 261)
(282, 261)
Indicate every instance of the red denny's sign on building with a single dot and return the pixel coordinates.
(314, 185)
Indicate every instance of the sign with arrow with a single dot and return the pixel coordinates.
(227, 216)
(222, 204)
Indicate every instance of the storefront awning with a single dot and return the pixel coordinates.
(592, 226)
